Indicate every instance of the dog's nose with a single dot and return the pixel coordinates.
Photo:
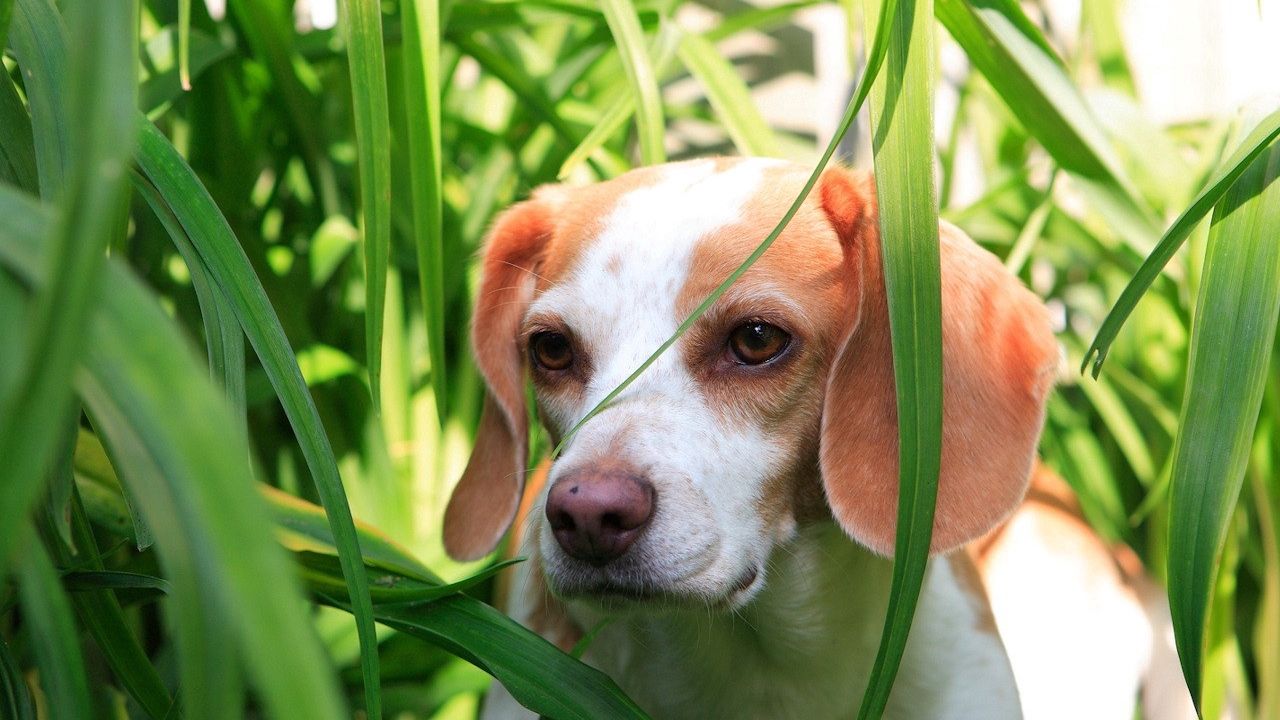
(596, 515)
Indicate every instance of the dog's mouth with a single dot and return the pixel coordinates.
(630, 594)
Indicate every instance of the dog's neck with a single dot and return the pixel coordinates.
(805, 645)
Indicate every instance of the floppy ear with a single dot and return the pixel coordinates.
(999, 357)
(484, 501)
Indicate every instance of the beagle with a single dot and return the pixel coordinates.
(731, 513)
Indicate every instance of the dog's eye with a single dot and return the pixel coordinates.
(551, 350)
(756, 343)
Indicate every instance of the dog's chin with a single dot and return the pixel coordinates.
(635, 593)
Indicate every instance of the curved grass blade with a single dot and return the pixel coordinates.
(53, 633)
(535, 672)
(15, 699)
(17, 151)
(1232, 338)
(85, 580)
(38, 40)
(230, 269)
(1013, 55)
(620, 111)
(902, 144)
(420, 20)
(874, 60)
(1257, 140)
(199, 499)
(98, 113)
(729, 97)
(363, 28)
(223, 338)
(627, 34)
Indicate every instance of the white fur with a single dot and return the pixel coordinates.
(705, 535)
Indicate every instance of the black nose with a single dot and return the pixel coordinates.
(597, 514)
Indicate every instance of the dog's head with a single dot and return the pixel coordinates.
(776, 408)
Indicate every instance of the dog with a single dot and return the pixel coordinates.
(726, 522)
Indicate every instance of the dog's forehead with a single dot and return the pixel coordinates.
(631, 242)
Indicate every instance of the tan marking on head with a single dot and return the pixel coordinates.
(803, 268)
(581, 214)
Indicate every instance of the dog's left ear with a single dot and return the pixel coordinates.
(484, 502)
(999, 357)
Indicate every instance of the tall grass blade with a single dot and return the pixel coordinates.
(617, 114)
(230, 268)
(363, 31)
(902, 143)
(874, 60)
(1012, 54)
(38, 40)
(184, 44)
(100, 139)
(211, 528)
(52, 632)
(17, 144)
(1232, 337)
(729, 97)
(627, 34)
(15, 699)
(1214, 190)
(420, 20)
(536, 673)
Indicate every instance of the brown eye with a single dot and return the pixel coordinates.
(551, 350)
(756, 343)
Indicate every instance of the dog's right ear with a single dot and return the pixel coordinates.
(484, 502)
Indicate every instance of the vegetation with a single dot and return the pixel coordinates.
(176, 507)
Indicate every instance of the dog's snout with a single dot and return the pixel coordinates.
(596, 515)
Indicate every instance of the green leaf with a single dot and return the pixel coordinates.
(625, 26)
(212, 530)
(729, 97)
(1232, 336)
(98, 140)
(52, 633)
(1215, 189)
(363, 26)
(1014, 57)
(15, 700)
(84, 580)
(535, 672)
(230, 269)
(17, 152)
(421, 57)
(902, 143)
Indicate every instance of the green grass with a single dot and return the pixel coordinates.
(234, 378)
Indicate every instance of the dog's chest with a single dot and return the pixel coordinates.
(805, 647)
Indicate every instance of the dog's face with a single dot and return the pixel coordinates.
(681, 486)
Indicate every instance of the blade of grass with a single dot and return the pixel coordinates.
(1237, 309)
(230, 269)
(212, 531)
(536, 673)
(100, 75)
(874, 60)
(15, 699)
(729, 97)
(52, 632)
(184, 44)
(421, 57)
(38, 40)
(363, 31)
(620, 111)
(636, 63)
(1012, 54)
(224, 340)
(17, 151)
(902, 145)
(1218, 185)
